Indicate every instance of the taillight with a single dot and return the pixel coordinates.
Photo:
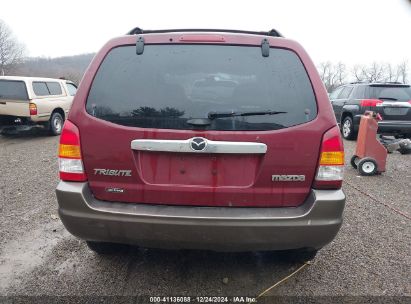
(70, 163)
(370, 102)
(33, 108)
(202, 38)
(331, 164)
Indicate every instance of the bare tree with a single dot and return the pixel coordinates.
(402, 71)
(391, 73)
(11, 51)
(324, 70)
(341, 71)
(375, 72)
(332, 75)
(357, 72)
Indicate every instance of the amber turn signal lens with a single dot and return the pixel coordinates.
(69, 151)
(332, 158)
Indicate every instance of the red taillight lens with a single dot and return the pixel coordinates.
(331, 163)
(370, 102)
(33, 108)
(70, 162)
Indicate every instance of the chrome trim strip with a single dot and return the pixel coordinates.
(395, 104)
(184, 146)
(394, 122)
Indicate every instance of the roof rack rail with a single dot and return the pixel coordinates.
(376, 82)
(357, 82)
(139, 31)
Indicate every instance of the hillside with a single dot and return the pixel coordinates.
(69, 67)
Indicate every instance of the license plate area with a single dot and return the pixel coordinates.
(395, 111)
(210, 170)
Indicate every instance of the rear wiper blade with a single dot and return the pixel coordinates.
(388, 98)
(213, 115)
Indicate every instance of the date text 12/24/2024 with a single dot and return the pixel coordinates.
(202, 299)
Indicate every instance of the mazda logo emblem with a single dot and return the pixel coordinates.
(198, 143)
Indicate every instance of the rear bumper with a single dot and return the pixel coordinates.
(312, 225)
(16, 123)
(394, 126)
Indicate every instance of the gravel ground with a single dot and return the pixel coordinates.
(369, 257)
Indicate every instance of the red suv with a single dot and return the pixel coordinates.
(202, 139)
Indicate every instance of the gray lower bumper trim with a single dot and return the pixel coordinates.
(396, 126)
(312, 225)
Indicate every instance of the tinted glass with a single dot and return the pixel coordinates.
(40, 88)
(345, 93)
(170, 84)
(72, 89)
(359, 91)
(54, 88)
(391, 93)
(335, 93)
(11, 89)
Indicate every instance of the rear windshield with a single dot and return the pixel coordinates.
(170, 84)
(392, 93)
(12, 89)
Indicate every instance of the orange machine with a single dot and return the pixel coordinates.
(371, 155)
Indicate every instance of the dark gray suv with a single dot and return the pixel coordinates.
(391, 100)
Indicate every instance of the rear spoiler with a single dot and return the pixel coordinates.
(390, 84)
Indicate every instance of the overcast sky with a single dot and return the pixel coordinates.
(351, 31)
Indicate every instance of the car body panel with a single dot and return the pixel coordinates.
(396, 115)
(340, 102)
(312, 225)
(169, 179)
(11, 107)
(45, 104)
(142, 192)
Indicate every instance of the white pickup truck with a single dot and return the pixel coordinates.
(27, 102)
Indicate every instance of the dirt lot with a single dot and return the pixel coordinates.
(370, 256)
